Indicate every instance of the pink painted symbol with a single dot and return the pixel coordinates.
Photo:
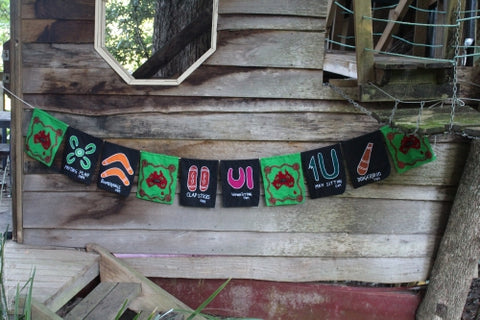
(204, 178)
(192, 178)
(240, 182)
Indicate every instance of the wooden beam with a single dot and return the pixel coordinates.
(152, 296)
(420, 32)
(396, 14)
(363, 41)
(202, 24)
(16, 86)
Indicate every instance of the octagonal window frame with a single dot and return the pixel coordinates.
(99, 45)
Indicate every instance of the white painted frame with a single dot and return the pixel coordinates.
(126, 76)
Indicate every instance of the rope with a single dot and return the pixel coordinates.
(411, 23)
(17, 97)
(343, 8)
(409, 56)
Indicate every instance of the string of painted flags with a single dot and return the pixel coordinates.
(284, 177)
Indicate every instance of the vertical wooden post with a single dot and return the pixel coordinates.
(420, 35)
(16, 140)
(363, 41)
(457, 257)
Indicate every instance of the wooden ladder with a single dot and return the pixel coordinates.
(105, 301)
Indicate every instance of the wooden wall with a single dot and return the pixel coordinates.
(260, 94)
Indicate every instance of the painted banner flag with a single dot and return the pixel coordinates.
(324, 171)
(117, 169)
(44, 136)
(407, 150)
(157, 177)
(283, 180)
(367, 159)
(240, 182)
(198, 182)
(80, 155)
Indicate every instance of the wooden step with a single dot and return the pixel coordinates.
(105, 301)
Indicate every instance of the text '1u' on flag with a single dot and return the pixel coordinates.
(157, 177)
(240, 182)
(407, 150)
(324, 171)
(117, 169)
(367, 159)
(44, 136)
(283, 180)
(80, 155)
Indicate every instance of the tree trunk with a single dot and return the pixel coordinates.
(171, 17)
(459, 249)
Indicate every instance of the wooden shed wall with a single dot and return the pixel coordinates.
(259, 95)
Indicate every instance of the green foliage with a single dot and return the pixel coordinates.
(4, 24)
(24, 313)
(129, 31)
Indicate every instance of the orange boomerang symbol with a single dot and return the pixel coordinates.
(119, 157)
(116, 172)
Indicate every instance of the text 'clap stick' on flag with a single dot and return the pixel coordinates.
(198, 182)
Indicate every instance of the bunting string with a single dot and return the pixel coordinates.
(284, 177)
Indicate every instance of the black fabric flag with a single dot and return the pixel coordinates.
(117, 169)
(367, 159)
(198, 182)
(80, 155)
(324, 171)
(240, 182)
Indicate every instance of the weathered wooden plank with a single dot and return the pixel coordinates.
(59, 274)
(226, 126)
(291, 269)
(91, 300)
(284, 49)
(339, 245)
(205, 81)
(117, 104)
(41, 312)
(113, 302)
(105, 301)
(444, 172)
(62, 55)
(332, 214)
(390, 189)
(58, 31)
(265, 22)
(152, 297)
(310, 8)
(59, 9)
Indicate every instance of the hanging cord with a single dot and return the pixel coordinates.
(419, 118)
(394, 110)
(17, 97)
